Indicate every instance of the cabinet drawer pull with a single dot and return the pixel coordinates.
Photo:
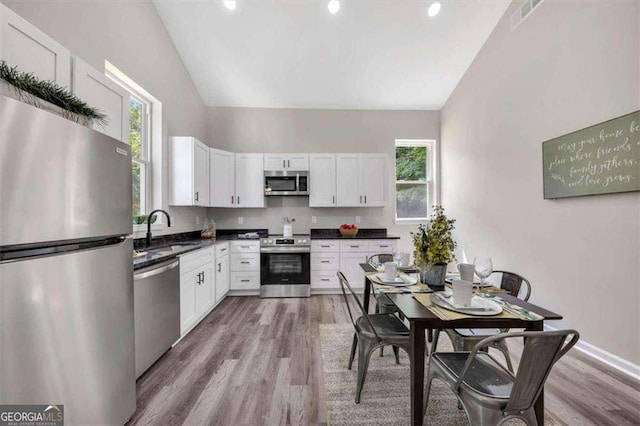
(384, 246)
(245, 281)
(325, 246)
(354, 246)
(325, 279)
(245, 247)
(325, 261)
(223, 249)
(245, 263)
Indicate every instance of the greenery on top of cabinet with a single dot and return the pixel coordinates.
(31, 89)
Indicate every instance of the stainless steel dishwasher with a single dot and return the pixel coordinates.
(156, 293)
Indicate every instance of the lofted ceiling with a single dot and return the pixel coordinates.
(372, 54)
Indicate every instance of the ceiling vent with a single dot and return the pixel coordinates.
(523, 11)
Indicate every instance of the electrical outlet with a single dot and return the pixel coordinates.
(240, 220)
(197, 220)
(357, 219)
(314, 219)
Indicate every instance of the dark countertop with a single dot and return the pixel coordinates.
(189, 241)
(363, 234)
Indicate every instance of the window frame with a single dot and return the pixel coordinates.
(152, 123)
(431, 182)
(146, 149)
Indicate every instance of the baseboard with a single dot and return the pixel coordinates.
(620, 364)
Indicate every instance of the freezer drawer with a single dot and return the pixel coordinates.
(67, 333)
(59, 180)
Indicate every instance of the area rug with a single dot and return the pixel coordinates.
(385, 396)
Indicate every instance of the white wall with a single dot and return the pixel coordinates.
(569, 65)
(317, 130)
(130, 35)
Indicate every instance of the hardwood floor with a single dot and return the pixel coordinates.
(257, 362)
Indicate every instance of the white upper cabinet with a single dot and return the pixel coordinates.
(24, 46)
(348, 192)
(293, 162)
(373, 179)
(221, 178)
(189, 184)
(98, 91)
(322, 180)
(361, 180)
(249, 180)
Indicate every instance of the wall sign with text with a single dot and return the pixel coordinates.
(600, 159)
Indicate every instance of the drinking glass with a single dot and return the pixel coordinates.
(483, 268)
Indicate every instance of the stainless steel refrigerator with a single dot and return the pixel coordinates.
(66, 271)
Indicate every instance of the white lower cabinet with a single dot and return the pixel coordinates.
(245, 265)
(330, 256)
(204, 282)
(222, 275)
(197, 287)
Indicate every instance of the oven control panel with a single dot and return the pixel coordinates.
(279, 241)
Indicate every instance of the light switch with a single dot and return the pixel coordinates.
(357, 219)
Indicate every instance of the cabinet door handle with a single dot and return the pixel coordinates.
(197, 196)
(289, 163)
(219, 267)
(365, 199)
(232, 199)
(283, 163)
(334, 199)
(238, 199)
(361, 199)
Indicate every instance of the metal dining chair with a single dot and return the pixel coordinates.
(383, 303)
(488, 392)
(372, 332)
(464, 339)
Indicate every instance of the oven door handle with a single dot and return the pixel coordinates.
(276, 250)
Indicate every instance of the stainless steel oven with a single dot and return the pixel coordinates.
(285, 266)
(286, 183)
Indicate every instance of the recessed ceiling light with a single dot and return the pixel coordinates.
(334, 6)
(434, 9)
(230, 4)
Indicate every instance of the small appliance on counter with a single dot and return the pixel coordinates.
(285, 266)
(287, 227)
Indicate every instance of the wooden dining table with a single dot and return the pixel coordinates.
(421, 319)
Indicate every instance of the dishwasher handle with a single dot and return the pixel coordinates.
(156, 270)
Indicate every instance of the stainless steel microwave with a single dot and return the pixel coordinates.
(286, 183)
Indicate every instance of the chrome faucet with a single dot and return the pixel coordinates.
(149, 223)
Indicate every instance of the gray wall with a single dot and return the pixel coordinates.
(131, 36)
(570, 64)
(310, 130)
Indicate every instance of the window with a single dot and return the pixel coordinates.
(415, 180)
(145, 138)
(140, 153)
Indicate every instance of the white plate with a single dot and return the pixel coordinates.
(479, 305)
(402, 280)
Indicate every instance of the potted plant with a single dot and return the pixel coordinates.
(433, 247)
